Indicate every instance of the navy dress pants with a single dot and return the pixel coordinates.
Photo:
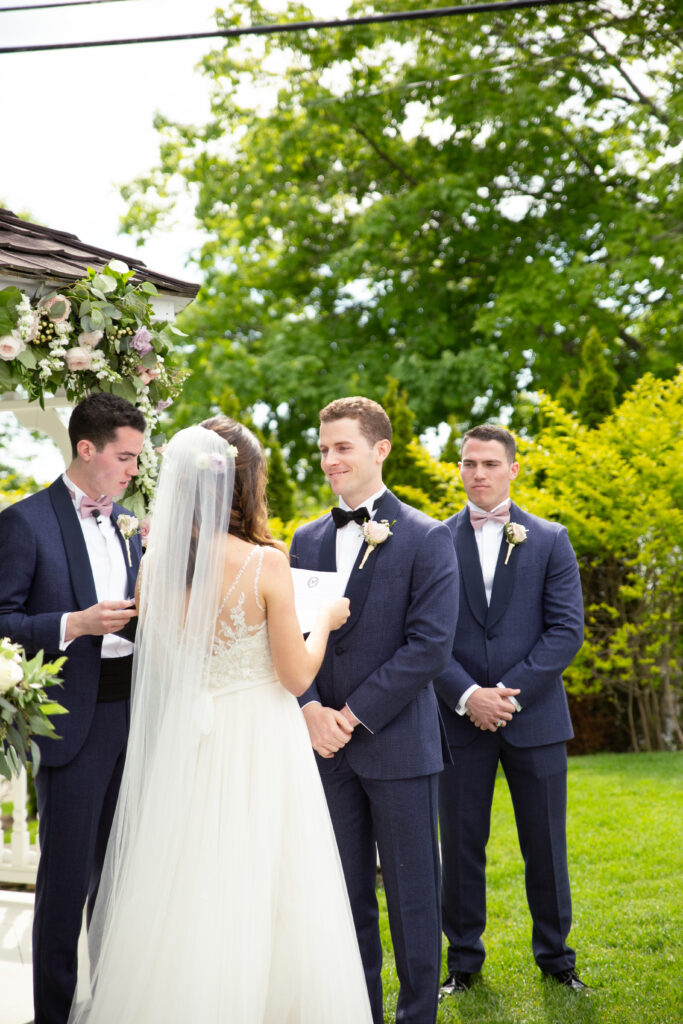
(76, 804)
(537, 779)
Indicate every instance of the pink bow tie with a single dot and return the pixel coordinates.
(478, 518)
(103, 507)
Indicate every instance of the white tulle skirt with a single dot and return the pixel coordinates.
(234, 910)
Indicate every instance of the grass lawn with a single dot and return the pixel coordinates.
(625, 833)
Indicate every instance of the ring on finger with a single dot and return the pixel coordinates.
(500, 723)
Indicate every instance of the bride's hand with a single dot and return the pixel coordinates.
(336, 612)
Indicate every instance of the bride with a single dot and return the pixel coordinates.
(222, 899)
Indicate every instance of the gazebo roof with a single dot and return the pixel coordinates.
(31, 251)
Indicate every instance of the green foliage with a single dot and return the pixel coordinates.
(25, 708)
(452, 202)
(281, 489)
(623, 833)
(618, 488)
(598, 382)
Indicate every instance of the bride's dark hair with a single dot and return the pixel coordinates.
(249, 517)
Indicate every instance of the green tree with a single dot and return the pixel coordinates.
(618, 488)
(453, 202)
(598, 382)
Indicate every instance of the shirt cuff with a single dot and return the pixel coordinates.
(63, 644)
(460, 707)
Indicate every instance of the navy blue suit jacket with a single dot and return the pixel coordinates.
(525, 638)
(397, 639)
(45, 573)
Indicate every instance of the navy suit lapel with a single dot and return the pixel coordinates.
(358, 587)
(74, 545)
(132, 562)
(504, 578)
(470, 566)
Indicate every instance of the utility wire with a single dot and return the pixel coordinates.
(63, 3)
(307, 26)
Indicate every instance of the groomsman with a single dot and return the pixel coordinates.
(66, 587)
(520, 623)
(371, 712)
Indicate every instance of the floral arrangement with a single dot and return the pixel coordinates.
(374, 533)
(96, 335)
(25, 708)
(515, 534)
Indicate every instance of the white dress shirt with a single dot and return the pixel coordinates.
(488, 538)
(108, 566)
(350, 538)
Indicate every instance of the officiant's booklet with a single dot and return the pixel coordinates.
(310, 590)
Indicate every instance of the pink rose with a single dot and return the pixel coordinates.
(78, 358)
(144, 531)
(10, 347)
(90, 339)
(57, 308)
(147, 374)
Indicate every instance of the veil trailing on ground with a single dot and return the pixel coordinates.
(181, 584)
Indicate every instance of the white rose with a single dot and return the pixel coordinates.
(90, 339)
(78, 358)
(10, 674)
(376, 533)
(11, 346)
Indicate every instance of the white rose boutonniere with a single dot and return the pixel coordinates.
(374, 533)
(515, 534)
(128, 527)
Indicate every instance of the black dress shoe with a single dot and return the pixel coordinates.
(457, 981)
(570, 979)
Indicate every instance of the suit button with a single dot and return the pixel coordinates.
(490, 635)
(339, 650)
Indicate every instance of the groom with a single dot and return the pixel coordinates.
(371, 712)
(66, 586)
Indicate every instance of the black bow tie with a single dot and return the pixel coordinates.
(343, 516)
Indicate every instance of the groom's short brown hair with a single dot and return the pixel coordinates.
(374, 423)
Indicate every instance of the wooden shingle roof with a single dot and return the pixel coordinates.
(38, 253)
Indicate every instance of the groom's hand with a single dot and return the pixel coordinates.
(98, 619)
(328, 729)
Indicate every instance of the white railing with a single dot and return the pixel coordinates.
(19, 857)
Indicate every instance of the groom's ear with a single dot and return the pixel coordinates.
(382, 449)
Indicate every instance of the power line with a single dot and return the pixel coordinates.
(307, 26)
(62, 3)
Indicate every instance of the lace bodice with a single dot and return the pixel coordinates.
(241, 651)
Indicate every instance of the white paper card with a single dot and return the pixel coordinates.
(311, 589)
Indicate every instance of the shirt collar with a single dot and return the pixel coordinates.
(369, 502)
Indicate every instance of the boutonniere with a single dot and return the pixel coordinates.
(515, 534)
(375, 533)
(128, 527)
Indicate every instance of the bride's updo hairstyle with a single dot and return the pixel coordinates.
(249, 517)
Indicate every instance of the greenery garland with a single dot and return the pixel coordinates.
(96, 335)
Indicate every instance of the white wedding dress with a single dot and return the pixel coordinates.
(234, 910)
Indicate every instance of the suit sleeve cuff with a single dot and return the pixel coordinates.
(461, 706)
(359, 720)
